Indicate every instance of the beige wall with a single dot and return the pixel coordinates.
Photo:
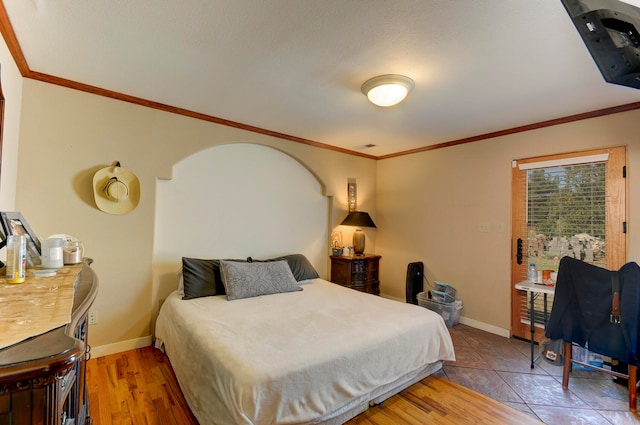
(12, 90)
(67, 135)
(429, 207)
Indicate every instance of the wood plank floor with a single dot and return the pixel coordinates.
(139, 387)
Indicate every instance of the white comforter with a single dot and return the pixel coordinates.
(297, 357)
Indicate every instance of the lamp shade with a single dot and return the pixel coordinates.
(358, 219)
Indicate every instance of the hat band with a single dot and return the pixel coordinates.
(116, 190)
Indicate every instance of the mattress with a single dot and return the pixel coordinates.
(320, 355)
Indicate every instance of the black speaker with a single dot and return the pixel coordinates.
(415, 276)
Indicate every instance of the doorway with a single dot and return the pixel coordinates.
(569, 204)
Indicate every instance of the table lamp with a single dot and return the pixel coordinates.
(358, 219)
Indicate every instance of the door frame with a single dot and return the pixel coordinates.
(615, 217)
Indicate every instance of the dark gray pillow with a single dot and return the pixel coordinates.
(300, 266)
(202, 278)
(245, 280)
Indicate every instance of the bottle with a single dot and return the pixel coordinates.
(16, 267)
(533, 273)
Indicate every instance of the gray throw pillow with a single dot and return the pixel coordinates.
(245, 280)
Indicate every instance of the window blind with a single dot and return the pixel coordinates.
(565, 214)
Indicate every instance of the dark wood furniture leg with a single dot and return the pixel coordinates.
(632, 372)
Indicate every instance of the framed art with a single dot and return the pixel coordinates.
(352, 196)
(13, 223)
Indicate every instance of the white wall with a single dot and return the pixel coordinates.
(237, 201)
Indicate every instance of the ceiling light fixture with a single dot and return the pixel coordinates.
(387, 90)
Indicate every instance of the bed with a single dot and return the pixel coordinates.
(305, 351)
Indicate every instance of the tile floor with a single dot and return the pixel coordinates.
(501, 369)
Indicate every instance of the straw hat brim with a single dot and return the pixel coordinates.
(104, 202)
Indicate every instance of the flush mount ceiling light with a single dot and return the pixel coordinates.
(387, 90)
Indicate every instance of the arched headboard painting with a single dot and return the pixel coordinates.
(235, 201)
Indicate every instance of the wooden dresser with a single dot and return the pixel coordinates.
(359, 272)
(42, 379)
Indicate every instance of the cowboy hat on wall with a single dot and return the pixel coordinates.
(116, 190)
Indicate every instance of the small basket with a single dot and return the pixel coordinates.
(446, 288)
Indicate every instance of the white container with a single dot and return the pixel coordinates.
(72, 252)
(16, 267)
(52, 254)
(450, 312)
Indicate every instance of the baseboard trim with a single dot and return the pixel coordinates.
(118, 347)
(470, 322)
(485, 327)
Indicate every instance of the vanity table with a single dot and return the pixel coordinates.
(42, 378)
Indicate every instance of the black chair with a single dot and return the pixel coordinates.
(598, 307)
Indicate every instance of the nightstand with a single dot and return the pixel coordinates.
(359, 272)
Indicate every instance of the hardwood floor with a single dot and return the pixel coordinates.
(136, 387)
(139, 387)
(436, 400)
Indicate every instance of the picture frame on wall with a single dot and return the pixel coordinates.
(13, 223)
(352, 196)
